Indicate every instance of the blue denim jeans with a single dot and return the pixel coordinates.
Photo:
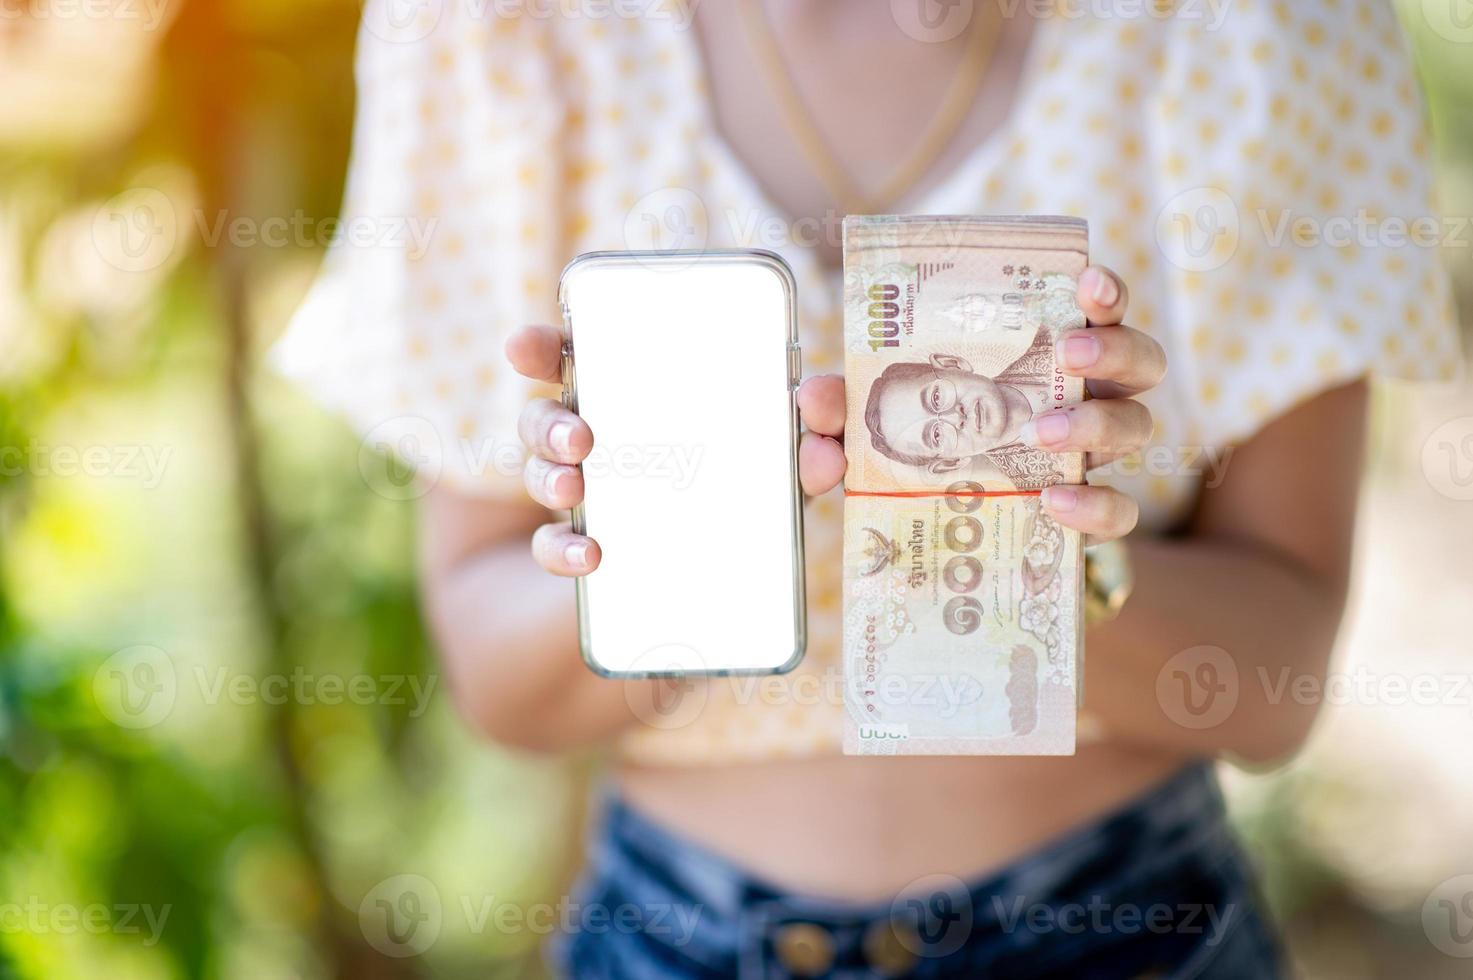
(1156, 889)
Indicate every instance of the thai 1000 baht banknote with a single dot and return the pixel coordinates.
(962, 597)
(949, 333)
(961, 622)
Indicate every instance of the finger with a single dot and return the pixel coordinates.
(821, 404)
(553, 485)
(821, 463)
(1102, 296)
(1104, 425)
(557, 549)
(1119, 361)
(1103, 513)
(553, 432)
(536, 352)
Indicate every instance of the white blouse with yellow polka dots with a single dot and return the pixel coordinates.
(1262, 184)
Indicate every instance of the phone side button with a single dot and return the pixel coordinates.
(565, 368)
(795, 366)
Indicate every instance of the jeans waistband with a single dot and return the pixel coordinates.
(1179, 821)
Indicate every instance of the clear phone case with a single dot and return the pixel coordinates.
(686, 366)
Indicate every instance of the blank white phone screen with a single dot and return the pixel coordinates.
(682, 371)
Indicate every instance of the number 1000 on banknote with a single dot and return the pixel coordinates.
(962, 597)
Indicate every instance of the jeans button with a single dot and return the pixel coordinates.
(887, 951)
(804, 949)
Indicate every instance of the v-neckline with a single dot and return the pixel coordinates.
(933, 200)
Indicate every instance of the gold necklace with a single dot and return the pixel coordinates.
(831, 173)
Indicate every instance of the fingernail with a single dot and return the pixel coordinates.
(561, 437)
(1045, 430)
(576, 554)
(1079, 352)
(1060, 500)
(555, 478)
(1102, 288)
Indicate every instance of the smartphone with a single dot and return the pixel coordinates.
(686, 366)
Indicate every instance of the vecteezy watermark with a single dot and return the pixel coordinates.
(403, 458)
(402, 21)
(37, 917)
(674, 217)
(1361, 228)
(301, 686)
(486, 913)
(136, 230)
(410, 21)
(1101, 917)
(1210, 14)
(933, 21)
(407, 232)
(1202, 228)
(149, 15)
(1451, 20)
(679, 693)
(1447, 458)
(676, 693)
(667, 218)
(667, 688)
(401, 916)
(1209, 463)
(405, 915)
(932, 916)
(678, 12)
(668, 703)
(675, 465)
(144, 463)
(672, 692)
(766, 230)
(138, 687)
(1198, 230)
(936, 21)
(1362, 686)
(1199, 687)
(140, 229)
(1447, 917)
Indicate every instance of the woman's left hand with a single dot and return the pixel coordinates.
(1118, 363)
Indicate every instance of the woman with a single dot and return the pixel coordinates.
(529, 136)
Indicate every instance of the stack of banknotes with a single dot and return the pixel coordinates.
(963, 609)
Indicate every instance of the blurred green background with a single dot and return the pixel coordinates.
(173, 516)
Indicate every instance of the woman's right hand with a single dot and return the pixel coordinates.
(559, 440)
